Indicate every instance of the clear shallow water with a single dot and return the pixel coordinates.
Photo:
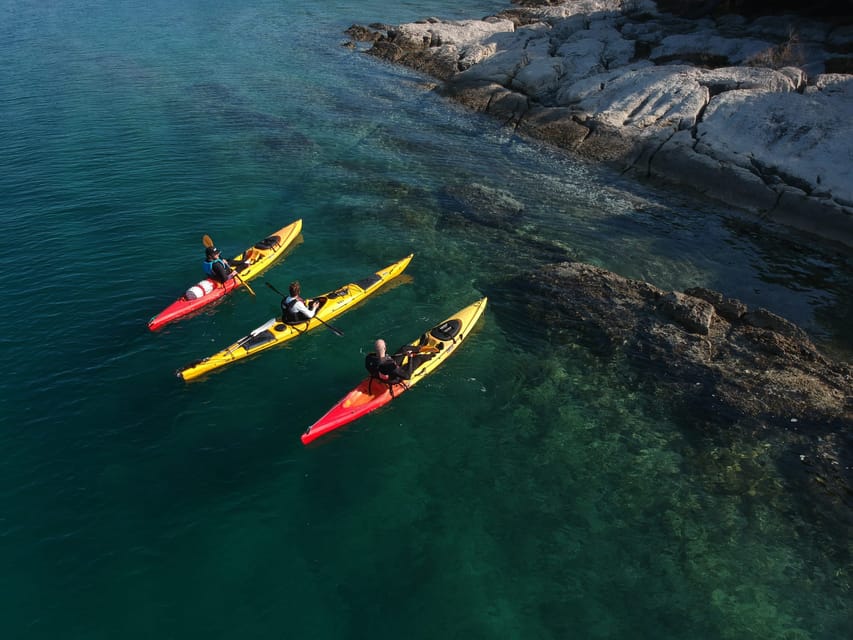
(525, 490)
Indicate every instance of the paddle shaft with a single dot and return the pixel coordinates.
(244, 283)
(422, 349)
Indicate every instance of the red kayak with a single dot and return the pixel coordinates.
(248, 264)
(422, 357)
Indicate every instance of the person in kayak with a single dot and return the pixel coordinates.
(216, 267)
(384, 367)
(294, 308)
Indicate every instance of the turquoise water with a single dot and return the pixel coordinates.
(525, 490)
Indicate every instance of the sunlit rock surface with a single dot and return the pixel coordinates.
(741, 110)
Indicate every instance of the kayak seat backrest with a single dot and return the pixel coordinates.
(369, 281)
(447, 330)
(268, 243)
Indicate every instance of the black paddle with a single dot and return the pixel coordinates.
(334, 330)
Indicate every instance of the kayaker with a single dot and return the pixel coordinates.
(216, 267)
(382, 366)
(294, 308)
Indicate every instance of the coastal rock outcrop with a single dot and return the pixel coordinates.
(727, 366)
(743, 111)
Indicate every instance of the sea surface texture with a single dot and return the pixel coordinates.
(528, 489)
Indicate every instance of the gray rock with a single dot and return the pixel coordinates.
(764, 319)
(485, 205)
(640, 98)
(835, 84)
(676, 161)
(729, 308)
(694, 314)
(807, 140)
(582, 74)
(707, 46)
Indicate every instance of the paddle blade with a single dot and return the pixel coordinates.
(206, 241)
(246, 284)
(410, 350)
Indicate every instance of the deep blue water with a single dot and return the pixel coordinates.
(525, 490)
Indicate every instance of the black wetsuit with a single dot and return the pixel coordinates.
(217, 270)
(385, 369)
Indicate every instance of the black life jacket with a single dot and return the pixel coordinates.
(383, 369)
(372, 364)
(287, 312)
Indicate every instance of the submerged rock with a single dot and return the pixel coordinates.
(724, 362)
(742, 111)
(484, 205)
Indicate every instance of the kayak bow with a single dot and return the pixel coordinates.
(252, 262)
(274, 332)
(428, 352)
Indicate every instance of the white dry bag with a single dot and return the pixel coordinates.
(199, 290)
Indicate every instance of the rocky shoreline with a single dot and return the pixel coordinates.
(746, 112)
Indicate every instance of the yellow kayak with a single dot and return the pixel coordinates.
(274, 331)
(421, 356)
